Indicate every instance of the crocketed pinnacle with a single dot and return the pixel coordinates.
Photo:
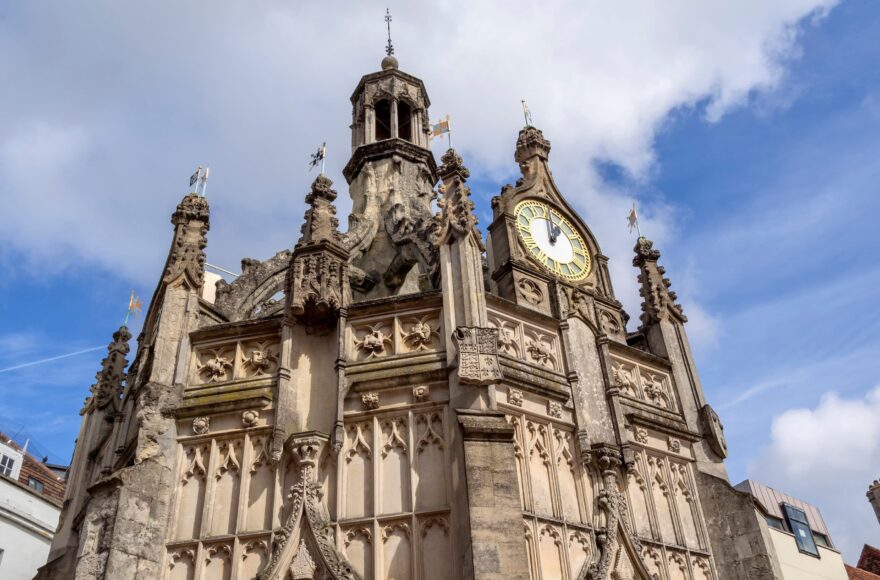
(191, 222)
(109, 379)
(658, 301)
(320, 223)
(457, 210)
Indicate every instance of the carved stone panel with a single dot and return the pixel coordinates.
(638, 381)
(531, 292)
(527, 342)
(415, 332)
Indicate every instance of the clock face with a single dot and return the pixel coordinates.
(552, 241)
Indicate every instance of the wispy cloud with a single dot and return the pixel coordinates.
(51, 359)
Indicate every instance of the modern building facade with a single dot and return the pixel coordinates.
(30, 503)
(801, 541)
(407, 399)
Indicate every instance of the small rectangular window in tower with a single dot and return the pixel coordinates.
(800, 527)
(6, 465)
(35, 484)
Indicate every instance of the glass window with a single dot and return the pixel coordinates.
(6, 465)
(775, 523)
(803, 535)
(35, 484)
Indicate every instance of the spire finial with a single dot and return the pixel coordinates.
(389, 50)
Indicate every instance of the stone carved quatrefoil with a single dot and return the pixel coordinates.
(374, 342)
(420, 333)
(258, 359)
(215, 365)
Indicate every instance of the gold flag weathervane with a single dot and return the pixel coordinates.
(134, 308)
(442, 126)
(633, 220)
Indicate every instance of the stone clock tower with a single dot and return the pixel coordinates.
(422, 403)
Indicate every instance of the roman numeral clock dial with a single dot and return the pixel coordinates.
(552, 240)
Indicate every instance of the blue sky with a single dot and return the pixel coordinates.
(749, 136)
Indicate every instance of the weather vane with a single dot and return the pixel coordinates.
(390, 48)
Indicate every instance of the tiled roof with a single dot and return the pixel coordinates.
(859, 574)
(53, 486)
(870, 559)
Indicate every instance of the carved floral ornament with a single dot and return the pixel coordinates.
(370, 401)
(250, 418)
(201, 425)
(515, 397)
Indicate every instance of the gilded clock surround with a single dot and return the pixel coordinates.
(579, 266)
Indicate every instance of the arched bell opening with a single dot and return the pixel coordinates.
(404, 121)
(383, 120)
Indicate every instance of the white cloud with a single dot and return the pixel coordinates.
(109, 106)
(828, 455)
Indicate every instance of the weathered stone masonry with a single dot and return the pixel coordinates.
(421, 403)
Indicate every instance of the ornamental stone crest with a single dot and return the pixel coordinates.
(477, 355)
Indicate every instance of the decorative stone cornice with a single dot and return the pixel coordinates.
(658, 301)
(379, 149)
(187, 257)
(108, 387)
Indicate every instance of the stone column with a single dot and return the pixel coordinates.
(394, 123)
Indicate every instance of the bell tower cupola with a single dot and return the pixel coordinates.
(391, 177)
